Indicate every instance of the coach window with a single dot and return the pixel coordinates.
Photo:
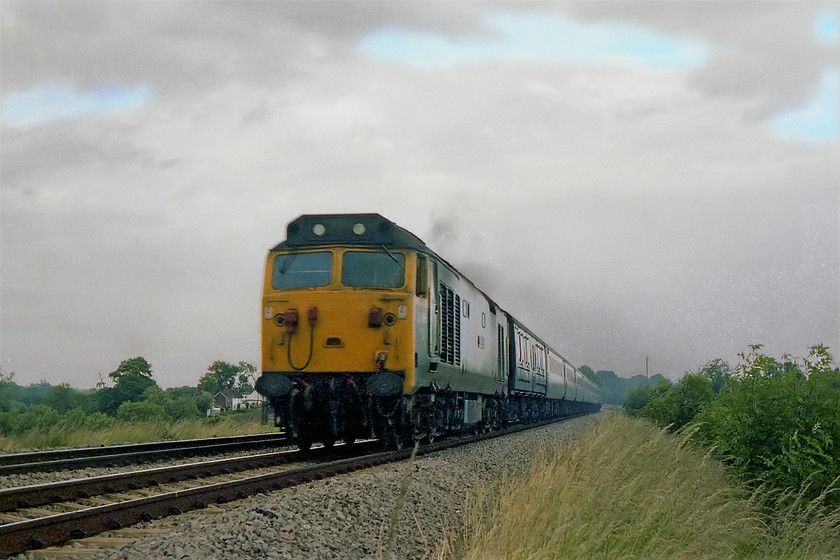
(422, 284)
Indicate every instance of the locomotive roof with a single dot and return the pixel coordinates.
(348, 229)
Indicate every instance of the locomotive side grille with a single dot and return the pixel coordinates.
(450, 347)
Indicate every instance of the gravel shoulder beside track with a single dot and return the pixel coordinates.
(348, 517)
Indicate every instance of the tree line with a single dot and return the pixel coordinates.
(129, 393)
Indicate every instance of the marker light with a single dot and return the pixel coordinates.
(290, 317)
(375, 317)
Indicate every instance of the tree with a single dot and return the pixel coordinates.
(130, 380)
(222, 375)
(587, 371)
(63, 398)
(137, 366)
(615, 389)
(202, 399)
(718, 372)
(247, 378)
(5, 386)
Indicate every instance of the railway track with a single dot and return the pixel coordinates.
(77, 458)
(38, 516)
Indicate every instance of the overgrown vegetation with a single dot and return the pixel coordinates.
(777, 423)
(627, 489)
(127, 406)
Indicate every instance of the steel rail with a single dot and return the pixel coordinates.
(45, 461)
(52, 530)
(81, 488)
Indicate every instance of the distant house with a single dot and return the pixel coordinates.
(227, 399)
(253, 400)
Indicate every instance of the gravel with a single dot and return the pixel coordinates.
(348, 517)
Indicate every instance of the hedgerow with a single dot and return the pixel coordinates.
(777, 423)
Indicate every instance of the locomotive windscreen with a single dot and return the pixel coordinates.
(366, 269)
(302, 270)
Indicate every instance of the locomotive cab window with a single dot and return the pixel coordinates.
(366, 269)
(302, 270)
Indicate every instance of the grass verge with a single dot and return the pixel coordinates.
(626, 489)
(136, 432)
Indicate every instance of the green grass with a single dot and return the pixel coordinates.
(626, 489)
(138, 432)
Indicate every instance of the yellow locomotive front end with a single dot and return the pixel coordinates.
(338, 327)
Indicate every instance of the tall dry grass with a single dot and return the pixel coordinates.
(626, 489)
(134, 432)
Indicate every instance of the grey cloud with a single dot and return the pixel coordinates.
(624, 214)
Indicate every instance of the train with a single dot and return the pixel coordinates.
(368, 333)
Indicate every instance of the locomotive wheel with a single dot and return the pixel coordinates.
(394, 439)
(303, 440)
(301, 435)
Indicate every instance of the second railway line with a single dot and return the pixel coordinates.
(49, 514)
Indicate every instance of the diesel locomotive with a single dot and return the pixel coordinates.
(366, 332)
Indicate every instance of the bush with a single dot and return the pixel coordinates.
(678, 406)
(143, 411)
(639, 397)
(778, 423)
(181, 408)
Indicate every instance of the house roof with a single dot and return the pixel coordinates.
(229, 393)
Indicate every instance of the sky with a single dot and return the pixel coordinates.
(632, 180)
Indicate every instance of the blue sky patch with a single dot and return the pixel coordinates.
(827, 28)
(58, 103)
(819, 119)
(538, 37)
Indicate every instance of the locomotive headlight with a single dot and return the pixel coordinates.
(268, 312)
(319, 229)
(359, 228)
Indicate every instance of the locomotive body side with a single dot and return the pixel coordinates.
(463, 344)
